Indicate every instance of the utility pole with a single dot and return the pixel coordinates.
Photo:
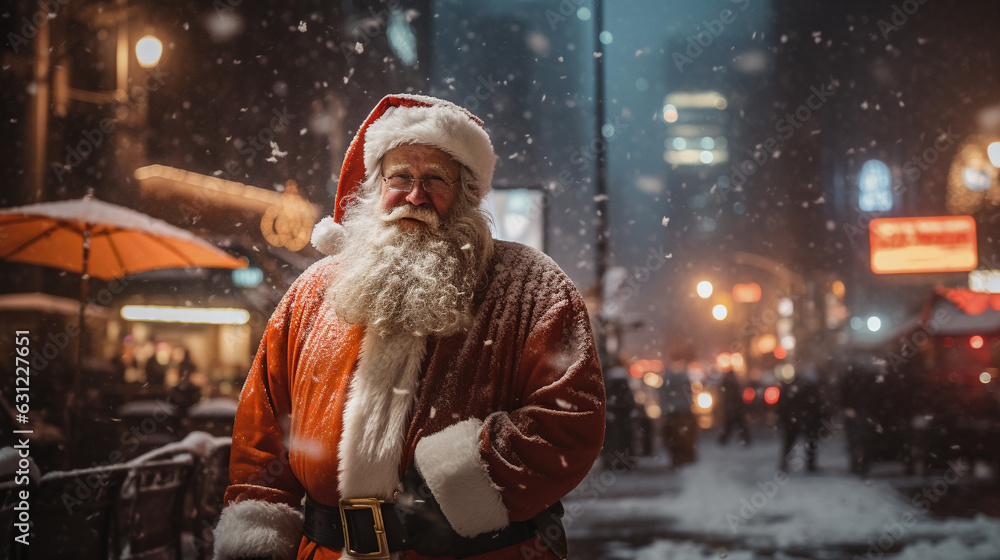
(39, 112)
(601, 199)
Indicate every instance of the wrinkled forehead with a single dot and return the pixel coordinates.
(419, 156)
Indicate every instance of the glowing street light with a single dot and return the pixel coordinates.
(874, 324)
(720, 312)
(994, 152)
(148, 51)
(704, 401)
(704, 289)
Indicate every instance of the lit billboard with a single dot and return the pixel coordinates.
(926, 244)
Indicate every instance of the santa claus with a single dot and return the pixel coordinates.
(425, 390)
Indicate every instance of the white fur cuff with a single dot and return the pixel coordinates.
(258, 528)
(450, 463)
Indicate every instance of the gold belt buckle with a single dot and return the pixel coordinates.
(375, 505)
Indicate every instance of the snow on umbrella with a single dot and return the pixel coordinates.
(102, 240)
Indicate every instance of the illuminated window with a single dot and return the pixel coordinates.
(875, 187)
(518, 216)
(401, 37)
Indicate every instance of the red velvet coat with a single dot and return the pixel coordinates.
(524, 378)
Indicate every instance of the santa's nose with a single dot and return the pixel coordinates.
(417, 195)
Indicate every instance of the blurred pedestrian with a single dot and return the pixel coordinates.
(877, 403)
(124, 363)
(156, 368)
(800, 411)
(186, 393)
(680, 427)
(618, 428)
(733, 408)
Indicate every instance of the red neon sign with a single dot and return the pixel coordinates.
(931, 244)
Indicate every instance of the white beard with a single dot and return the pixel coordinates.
(416, 282)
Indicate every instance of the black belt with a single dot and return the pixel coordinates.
(375, 536)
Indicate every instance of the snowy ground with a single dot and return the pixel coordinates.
(735, 504)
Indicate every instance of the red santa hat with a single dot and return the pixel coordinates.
(416, 119)
(409, 119)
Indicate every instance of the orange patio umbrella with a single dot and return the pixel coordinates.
(101, 240)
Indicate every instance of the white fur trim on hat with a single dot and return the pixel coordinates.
(443, 125)
(458, 477)
(255, 528)
(327, 236)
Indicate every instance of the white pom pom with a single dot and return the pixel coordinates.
(327, 236)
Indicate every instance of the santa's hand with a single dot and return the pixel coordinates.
(421, 515)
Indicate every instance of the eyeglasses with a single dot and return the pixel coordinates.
(404, 183)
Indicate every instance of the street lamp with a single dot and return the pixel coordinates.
(720, 312)
(148, 51)
(993, 151)
(704, 289)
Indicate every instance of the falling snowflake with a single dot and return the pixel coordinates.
(275, 152)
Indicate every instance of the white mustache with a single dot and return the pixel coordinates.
(425, 215)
